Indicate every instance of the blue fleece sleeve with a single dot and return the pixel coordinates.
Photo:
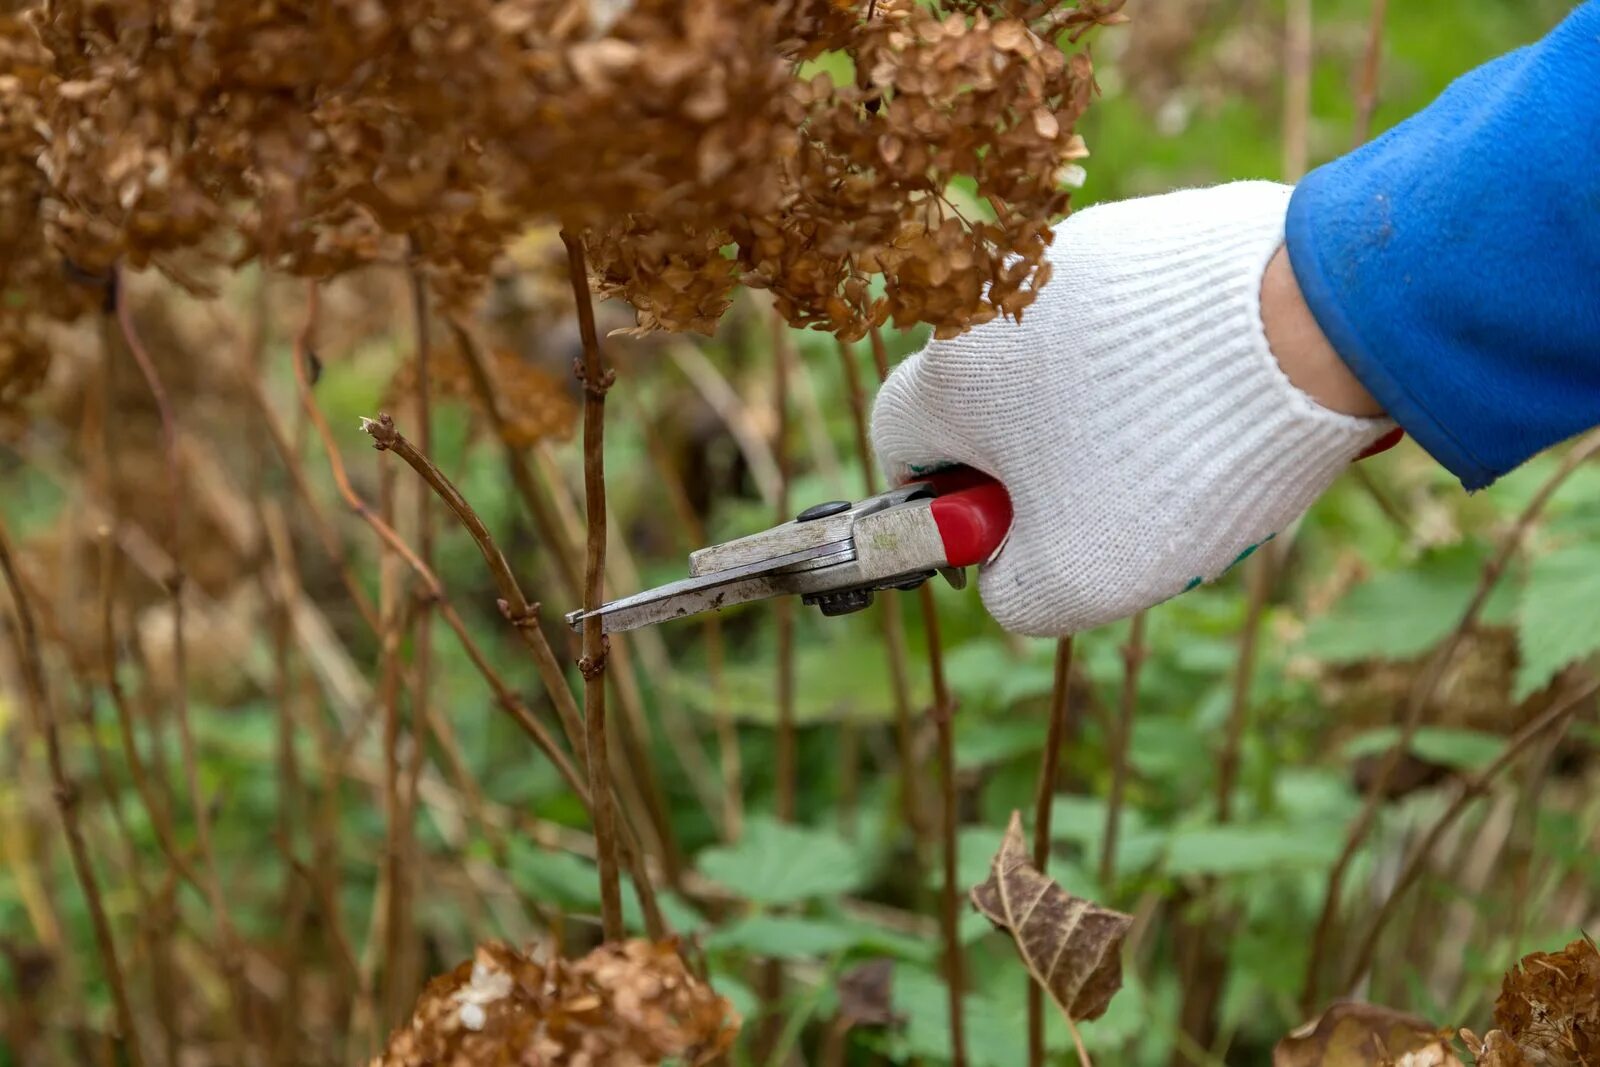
(1454, 263)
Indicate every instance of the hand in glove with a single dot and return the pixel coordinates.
(1138, 416)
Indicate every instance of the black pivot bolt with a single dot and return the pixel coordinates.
(844, 602)
(822, 511)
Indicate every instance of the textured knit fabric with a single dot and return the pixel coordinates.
(1454, 263)
(1137, 416)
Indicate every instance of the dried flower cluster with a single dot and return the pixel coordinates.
(1549, 1008)
(623, 1005)
(978, 94)
(692, 141)
(535, 404)
(33, 286)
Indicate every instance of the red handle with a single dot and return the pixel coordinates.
(973, 513)
(1382, 444)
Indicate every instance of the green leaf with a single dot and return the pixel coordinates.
(981, 743)
(552, 877)
(881, 941)
(993, 1036)
(974, 668)
(845, 679)
(1466, 750)
(1402, 614)
(986, 672)
(1513, 493)
(996, 1020)
(1558, 621)
(784, 937)
(775, 863)
(741, 996)
(573, 883)
(1082, 820)
(1243, 849)
(975, 847)
(1314, 795)
(1164, 747)
(680, 915)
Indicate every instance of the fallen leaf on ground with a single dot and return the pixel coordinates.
(1072, 946)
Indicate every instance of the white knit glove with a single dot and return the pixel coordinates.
(1137, 416)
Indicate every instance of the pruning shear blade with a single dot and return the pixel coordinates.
(835, 555)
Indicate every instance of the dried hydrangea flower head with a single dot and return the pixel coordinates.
(33, 284)
(629, 1004)
(866, 229)
(696, 143)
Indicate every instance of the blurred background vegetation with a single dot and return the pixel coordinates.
(286, 681)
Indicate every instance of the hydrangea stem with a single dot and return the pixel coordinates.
(596, 379)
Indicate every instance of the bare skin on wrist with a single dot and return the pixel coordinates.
(1305, 355)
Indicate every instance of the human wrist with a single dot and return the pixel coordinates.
(1303, 353)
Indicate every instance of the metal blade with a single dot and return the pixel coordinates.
(710, 592)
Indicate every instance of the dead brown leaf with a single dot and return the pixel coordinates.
(1351, 1034)
(1071, 946)
(866, 995)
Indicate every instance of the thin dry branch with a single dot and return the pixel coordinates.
(1043, 796)
(1297, 55)
(1259, 575)
(180, 656)
(639, 791)
(1420, 700)
(280, 595)
(950, 891)
(731, 771)
(146, 788)
(1371, 66)
(725, 401)
(540, 510)
(1555, 717)
(858, 415)
(508, 701)
(894, 637)
(636, 733)
(389, 922)
(66, 795)
(880, 353)
(1133, 657)
(596, 379)
(332, 544)
(515, 606)
(1196, 940)
(421, 688)
(783, 609)
(522, 613)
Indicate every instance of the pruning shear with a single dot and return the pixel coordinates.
(837, 555)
